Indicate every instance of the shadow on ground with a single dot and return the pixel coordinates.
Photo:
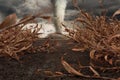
(32, 66)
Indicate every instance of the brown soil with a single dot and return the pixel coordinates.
(33, 66)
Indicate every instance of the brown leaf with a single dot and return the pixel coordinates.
(78, 49)
(110, 61)
(106, 58)
(27, 17)
(92, 54)
(94, 71)
(58, 73)
(24, 48)
(9, 20)
(70, 69)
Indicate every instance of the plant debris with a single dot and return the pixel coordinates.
(100, 36)
(13, 39)
(71, 70)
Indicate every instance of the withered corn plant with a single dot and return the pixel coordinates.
(13, 39)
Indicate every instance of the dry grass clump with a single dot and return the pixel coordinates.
(14, 40)
(100, 35)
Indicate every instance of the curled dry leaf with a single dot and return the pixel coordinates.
(109, 60)
(106, 58)
(92, 54)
